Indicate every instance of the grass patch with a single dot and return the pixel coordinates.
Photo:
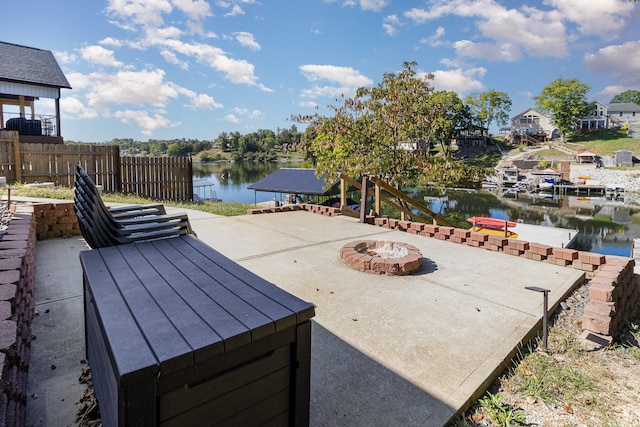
(488, 160)
(605, 142)
(550, 152)
(501, 413)
(65, 193)
(567, 385)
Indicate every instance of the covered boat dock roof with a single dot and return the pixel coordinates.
(295, 181)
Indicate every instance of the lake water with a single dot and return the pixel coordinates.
(606, 226)
(231, 179)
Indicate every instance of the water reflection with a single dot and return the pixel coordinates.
(606, 226)
(231, 179)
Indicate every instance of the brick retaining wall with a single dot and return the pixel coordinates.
(17, 277)
(614, 291)
(55, 220)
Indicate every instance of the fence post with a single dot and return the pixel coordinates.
(16, 154)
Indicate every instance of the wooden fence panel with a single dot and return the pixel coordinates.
(8, 143)
(56, 163)
(159, 178)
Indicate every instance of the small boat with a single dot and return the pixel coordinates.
(493, 226)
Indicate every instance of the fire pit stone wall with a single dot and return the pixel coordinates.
(361, 255)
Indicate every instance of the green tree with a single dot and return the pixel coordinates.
(363, 135)
(490, 106)
(223, 141)
(565, 102)
(627, 96)
(178, 149)
(448, 114)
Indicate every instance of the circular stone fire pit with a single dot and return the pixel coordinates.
(379, 257)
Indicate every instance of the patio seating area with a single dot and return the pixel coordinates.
(386, 350)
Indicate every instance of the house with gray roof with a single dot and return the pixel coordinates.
(625, 113)
(28, 74)
(531, 123)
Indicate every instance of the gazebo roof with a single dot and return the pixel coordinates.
(586, 153)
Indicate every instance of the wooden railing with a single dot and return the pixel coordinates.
(159, 178)
(376, 193)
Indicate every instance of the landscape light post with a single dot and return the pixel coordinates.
(545, 308)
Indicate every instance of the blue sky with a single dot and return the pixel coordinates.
(166, 69)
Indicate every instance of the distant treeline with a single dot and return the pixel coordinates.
(261, 145)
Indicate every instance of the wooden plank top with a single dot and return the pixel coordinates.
(181, 302)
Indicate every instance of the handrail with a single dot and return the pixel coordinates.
(400, 195)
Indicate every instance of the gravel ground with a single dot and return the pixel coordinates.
(628, 179)
(612, 402)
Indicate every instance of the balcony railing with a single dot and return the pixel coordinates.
(38, 124)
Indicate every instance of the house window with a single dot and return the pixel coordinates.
(601, 112)
(620, 113)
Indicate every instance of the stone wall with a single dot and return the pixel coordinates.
(318, 209)
(614, 290)
(17, 277)
(56, 219)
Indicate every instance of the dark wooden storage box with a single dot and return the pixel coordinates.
(177, 334)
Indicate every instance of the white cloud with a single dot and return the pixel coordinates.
(606, 94)
(459, 80)
(235, 11)
(139, 12)
(390, 24)
(232, 118)
(308, 104)
(99, 55)
(154, 36)
(65, 57)
(204, 102)
(602, 18)
(251, 114)
(172, 58)
(343, 80)
(246, 39)
(72, 108)
(435, 39)
(129, 87)
(509, 33)
(373, 5)
(146, 17)
(621, 60)
(237, 71)
(110, 41)
(345, 76)
(195, 9)
(147, 123)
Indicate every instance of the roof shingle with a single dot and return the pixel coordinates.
(23, 64)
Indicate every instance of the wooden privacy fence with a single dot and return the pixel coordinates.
(159, 178)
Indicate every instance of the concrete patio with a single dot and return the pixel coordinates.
(386, 350)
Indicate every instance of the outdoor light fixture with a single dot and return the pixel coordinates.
(545, 305)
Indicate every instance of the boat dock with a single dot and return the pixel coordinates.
(588, 190)
(552, 236)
